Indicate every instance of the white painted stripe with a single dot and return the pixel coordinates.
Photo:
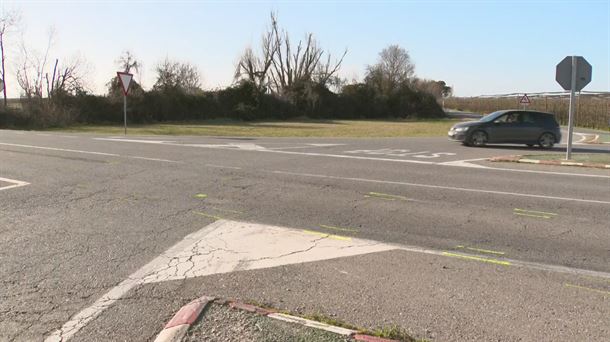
(89, 152)
(135, 140)
(312, 324)
(61, 149)
(16, 183)
(223, 166)
(156, 159)
(430, 186)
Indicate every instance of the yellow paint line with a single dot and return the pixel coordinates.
(201, 196)
(383, 198)
(535, 212)
(338, 228)
(481, 250)
(209, 216)
(472, 257)
(387, 196)
(607, 293)
(330, 236)
(537, 216)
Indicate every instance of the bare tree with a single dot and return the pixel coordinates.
(280, 66)
(31, 70)
(393, 69)
(180, 76)
(66, 79)
(34, 77)
(7, 21)
(127, 62)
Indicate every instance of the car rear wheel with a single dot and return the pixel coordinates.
(546, 140)
(530, 145)
(478, 138)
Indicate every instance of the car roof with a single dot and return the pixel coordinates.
(524, 110)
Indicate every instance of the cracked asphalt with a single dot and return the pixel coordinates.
(97, 211)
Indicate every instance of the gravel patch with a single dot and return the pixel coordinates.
(222, 323)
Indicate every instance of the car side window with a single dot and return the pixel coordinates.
(502, 119)
(528, 118)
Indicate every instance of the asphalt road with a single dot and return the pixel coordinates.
(81, 213)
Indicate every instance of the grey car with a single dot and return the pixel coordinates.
(511, 127)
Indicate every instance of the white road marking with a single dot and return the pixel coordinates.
(257, 148)
(16, 183)
(61, 149)
(229, 246)
(431, 186)
(223, 166)
(135, 140)
(326, 145)
(155, 159)
(89, 152)
(222, 247)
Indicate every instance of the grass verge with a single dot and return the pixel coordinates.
(303, 128)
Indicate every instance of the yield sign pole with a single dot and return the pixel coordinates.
(125, 80)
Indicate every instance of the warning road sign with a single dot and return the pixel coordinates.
(525, 100)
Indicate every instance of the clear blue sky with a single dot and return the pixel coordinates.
(479, 47)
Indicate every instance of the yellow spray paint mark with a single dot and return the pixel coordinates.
(338, 228)
(472, 257)
(209, 216)
(201, 196)
(533, 213)
(388, 197)
(607, 293)
(330, 236)
(480, 250)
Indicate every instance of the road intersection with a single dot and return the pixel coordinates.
(463, 249)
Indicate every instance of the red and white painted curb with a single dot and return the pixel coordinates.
(178, 326)
(519, 159)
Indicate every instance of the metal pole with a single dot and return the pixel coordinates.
(571, 110)
(125, 112)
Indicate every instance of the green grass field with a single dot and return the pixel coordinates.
(304, 128)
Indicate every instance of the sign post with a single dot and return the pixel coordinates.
(573, 73)
(525, 101)
(125, 80)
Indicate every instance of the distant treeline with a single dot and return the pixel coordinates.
(239, 102)
(591, 110)
(278, 80)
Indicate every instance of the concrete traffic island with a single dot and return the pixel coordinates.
(580, 161)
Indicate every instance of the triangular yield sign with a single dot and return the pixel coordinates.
(525, 99)
(125, 79)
